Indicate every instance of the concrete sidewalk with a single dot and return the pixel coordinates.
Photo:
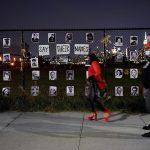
(71, 131)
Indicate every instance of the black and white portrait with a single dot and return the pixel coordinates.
(147, 53)
(6, 91)
(34, 90)
(133, 73)
(34, 63)
(6, 58)
(133, 55)
(51, 37)
(52, 75)
(70, 90)
(118, 40)
(6, 42)
(6, 75)
(52, 91)
(69, 37)
(118, 73)
(133, 40)
(119, 57)
(69, 74)
(35, 75)
(35, 37)
(118, 90)
(90, 37)
(87, 75)
(87, 91)
(134, 90)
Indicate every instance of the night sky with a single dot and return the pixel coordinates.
(73, 14)
(21, 14)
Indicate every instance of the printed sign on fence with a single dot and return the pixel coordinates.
(43, 50)
(81, 49)
(62, 49)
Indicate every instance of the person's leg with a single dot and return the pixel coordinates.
(92, 105)
(146, 93)
(106, 111)
(100, 105)
(93, 114)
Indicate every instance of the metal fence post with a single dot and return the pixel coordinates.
(22, 60)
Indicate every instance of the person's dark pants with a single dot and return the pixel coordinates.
(93, 97)
(146, 93)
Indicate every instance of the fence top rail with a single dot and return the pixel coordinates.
(75, 29)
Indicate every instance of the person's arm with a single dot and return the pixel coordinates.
(97, 70)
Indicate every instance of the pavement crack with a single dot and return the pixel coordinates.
(81, 131)
(13, 120)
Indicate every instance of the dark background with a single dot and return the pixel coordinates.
(74, 14)
(68, 14)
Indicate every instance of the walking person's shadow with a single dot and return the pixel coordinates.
(122, 117)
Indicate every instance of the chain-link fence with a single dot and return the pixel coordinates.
(114, 47)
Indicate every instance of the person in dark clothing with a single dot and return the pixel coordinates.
(96, 84)
(146, 90)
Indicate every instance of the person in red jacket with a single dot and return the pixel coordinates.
(96, 84)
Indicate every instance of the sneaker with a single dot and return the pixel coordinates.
(147, 127)
(146, 134)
